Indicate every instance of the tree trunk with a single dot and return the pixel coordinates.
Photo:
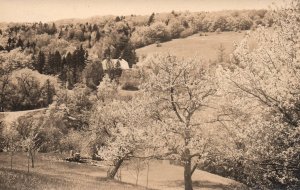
(32, 158)
(137, 172)
(28, 162)
(11, 159)
(112, 173)
(188, 175)
(147, 173)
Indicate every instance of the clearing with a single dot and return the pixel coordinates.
(205, 47)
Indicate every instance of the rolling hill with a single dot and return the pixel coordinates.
(204, 46)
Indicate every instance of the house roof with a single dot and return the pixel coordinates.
(113, 63)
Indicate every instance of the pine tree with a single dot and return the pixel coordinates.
(48, 92)
(49, 64)
(117, 19)
(20, 43)
(69, 70)
(129, 54)
(40, 62)
(98, 36)
(53, 29)
(81, 58)
(63, 73)
(151, 19)
(57, 62)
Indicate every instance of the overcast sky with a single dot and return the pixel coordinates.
(50, 10)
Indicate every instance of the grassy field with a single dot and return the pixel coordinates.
(53, 173)
(205, 47)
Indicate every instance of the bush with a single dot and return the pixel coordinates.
(218, 31)
(158, 44)
(186, 33)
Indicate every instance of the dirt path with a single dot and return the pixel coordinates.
(9, 117)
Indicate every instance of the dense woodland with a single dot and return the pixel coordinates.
(58, 66)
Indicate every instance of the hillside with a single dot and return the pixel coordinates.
(52, 173)
(205, 47)
(162, 175)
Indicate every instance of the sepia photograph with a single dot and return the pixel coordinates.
(150, 95)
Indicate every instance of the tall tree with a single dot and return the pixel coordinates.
(31, 130)
(63, 73)
(69, 70)
(57, 62)
(48, 92)
(151, 19)
(40, 62)
(49, 64)
(179, 90)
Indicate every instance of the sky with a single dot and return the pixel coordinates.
(51, 10)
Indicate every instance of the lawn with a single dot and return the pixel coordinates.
(53, 173)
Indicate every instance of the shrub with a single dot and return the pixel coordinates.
(186, 33)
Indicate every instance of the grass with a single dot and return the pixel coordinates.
(53, 173)
(205, 47)
(162, 175)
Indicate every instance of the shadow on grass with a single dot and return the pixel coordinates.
(21, 180)
(211, 185)
(18, 179)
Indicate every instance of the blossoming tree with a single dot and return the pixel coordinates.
(261, 98)
(120, 127)
(178, 91)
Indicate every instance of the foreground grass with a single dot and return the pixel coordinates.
(50, 173)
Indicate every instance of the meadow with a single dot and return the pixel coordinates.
(51, 172)
(204, 46)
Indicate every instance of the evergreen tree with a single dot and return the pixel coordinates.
(117, 19)
(151, 19)
(63, 73)
(20, 43)
(69, 66)
(48, 92)
(98, 36)
(129, 54)
(57, 62)
(53, 29)
(48, 68)
(40, 62)
(79, 57)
